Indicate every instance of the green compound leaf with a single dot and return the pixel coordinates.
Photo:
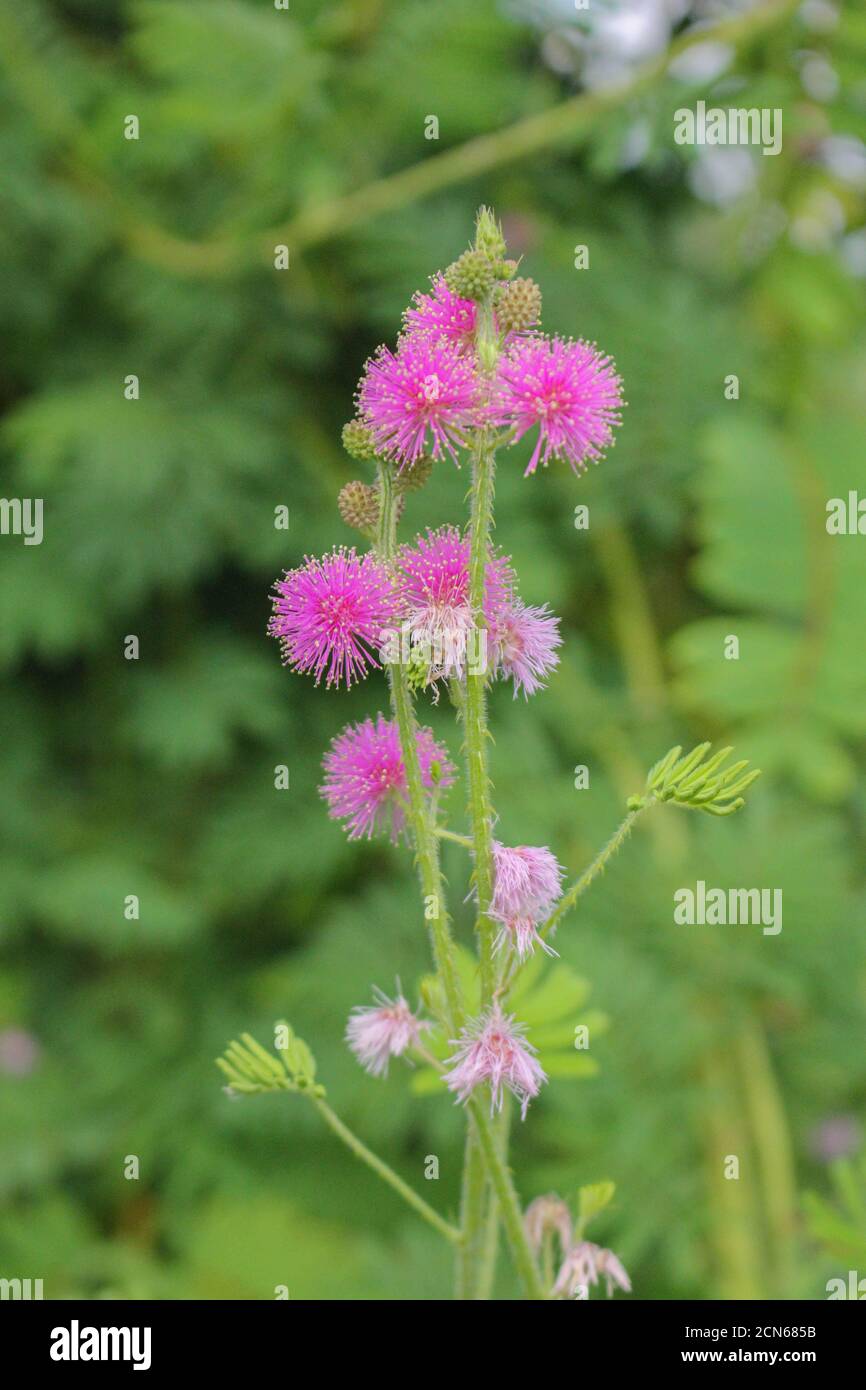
(697, 781)
(251, 1070)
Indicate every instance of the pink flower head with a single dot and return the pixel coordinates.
(427, 388)
(582, 1266)
(365, 777)
(329, 615)
(377, 1034)
(569, 390)
(493, 1049)
(434, 589)
(525, 641)
(527, 883)
(443, 314)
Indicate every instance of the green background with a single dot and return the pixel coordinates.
(156, 776)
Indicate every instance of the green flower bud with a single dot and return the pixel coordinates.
(358, 440)
(518, 306)
(358, 505)
(488, 236)
(414, 477)
(471, 276)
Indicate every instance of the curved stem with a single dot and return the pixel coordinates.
(580, 885)
(387, 1174)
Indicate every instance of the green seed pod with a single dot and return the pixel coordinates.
(358, 440)
(519, 306)
(358, 505)
(471, 276)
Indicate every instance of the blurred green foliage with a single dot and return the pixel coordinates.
(156, 777)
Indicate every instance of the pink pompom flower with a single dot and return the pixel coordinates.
(420, 398)
(525, 640)
(443, 314)
(527, 884)
(365, 776)
(329, 615)
(493, 1049)
(568, 389)
(386, 1030)
(434, 590)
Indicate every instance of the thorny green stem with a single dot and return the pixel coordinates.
(387, 1174)
(472, 1197)
(426, 842)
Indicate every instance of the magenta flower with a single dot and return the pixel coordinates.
(443, 314)
(524, 645)
(365, 777)
(493, 1049)
(569, 390)
(434, 590)
(330, 614)
(377, 1034)
(582, 1266)
(420, 398)
(527, 884)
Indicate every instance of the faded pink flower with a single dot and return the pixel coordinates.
(434, 589)
(377, 1034)
(527, 884)
(525, 640)
(568, 389)
(493, 1049)
(545, 1216)
(443, 314)
(365, 777)
(330, 613)
(428, 388)
(582, 1266)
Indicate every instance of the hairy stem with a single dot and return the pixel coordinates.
(424, 835)
(512, 1217)
(580, 885)
(387, 1174)
(472, 1199)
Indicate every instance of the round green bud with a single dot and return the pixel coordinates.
(471, 276)
(415, 476)
(518, 306)
(358, 440)
(358, 504)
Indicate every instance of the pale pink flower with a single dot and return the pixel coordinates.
(443, 314)
(386, 1030)
(524, 641)
(568, 389)
(434, 589)
(527, 884)
(582, 1266)
(420, 399)
(544, 1216)
(329, 615)
(493, 1049)
(365, 776)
